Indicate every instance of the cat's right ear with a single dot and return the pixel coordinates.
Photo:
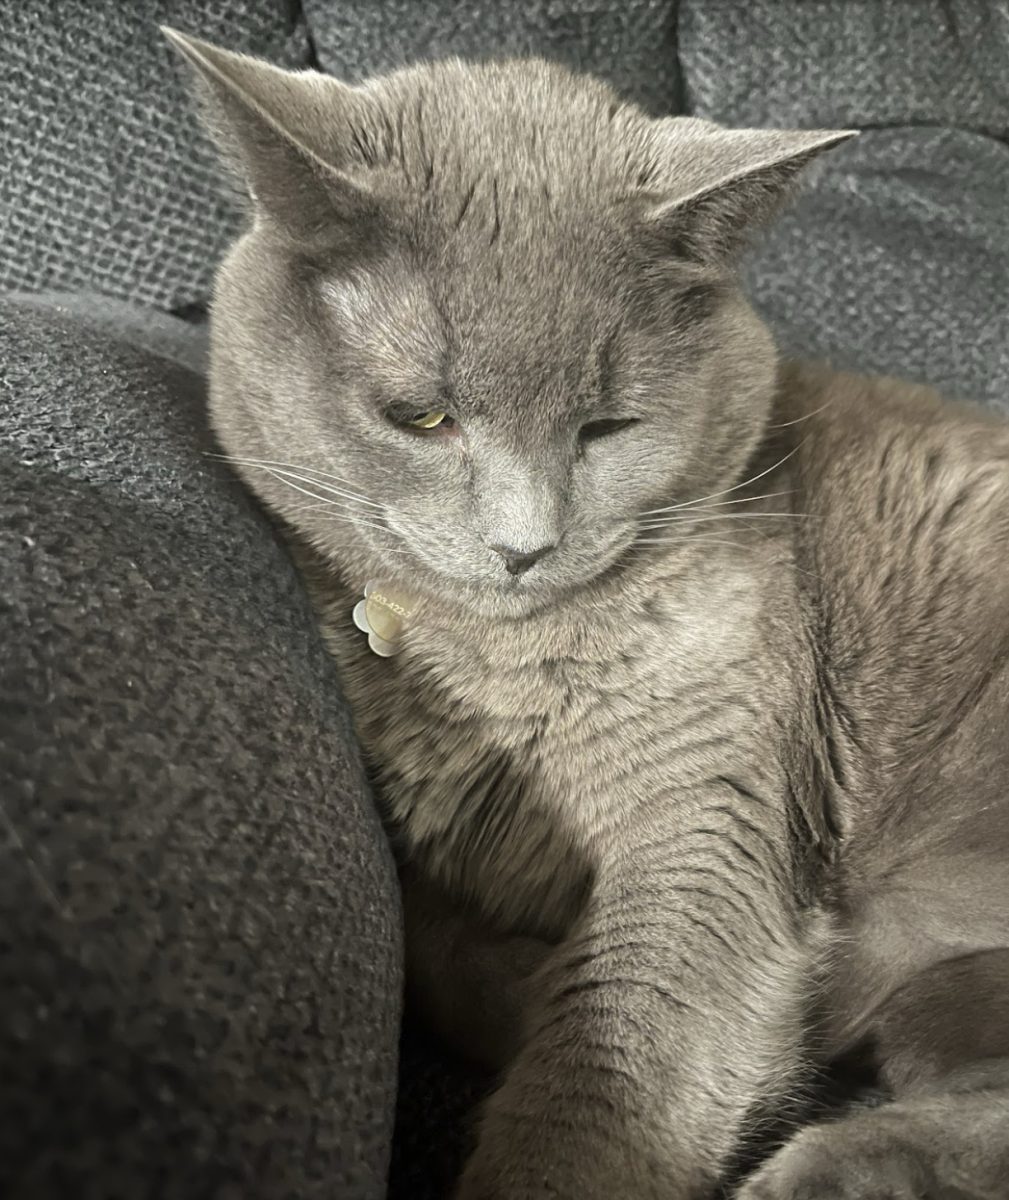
(279, 128)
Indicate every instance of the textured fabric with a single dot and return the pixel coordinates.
(848, 63)
(185, 343)
(895, 259)
(108, 183)
(199, 942)
(436, 1114)
(630, 44)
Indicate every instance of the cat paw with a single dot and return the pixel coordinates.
(848, 1161)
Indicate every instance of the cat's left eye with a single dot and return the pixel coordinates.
(598, 429)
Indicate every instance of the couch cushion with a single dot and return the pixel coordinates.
(199, 957)
(895, 258)
(847, 63)
(108, 183)
(629, 43)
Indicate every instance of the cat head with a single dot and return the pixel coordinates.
(484, 316)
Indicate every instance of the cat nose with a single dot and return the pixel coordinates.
(517, 562)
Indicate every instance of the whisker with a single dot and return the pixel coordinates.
(287, 473)
(355, 521)
(300, 508)
(360, 523)
(326, 487)
(690, 519)
(326, 503)
(364, 523)
(274, 462)
(331, 504)
(785, 424)
(725, 503)
(267, 463)
(683, 541)
(725, 491)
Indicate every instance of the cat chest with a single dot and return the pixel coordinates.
(510, 787)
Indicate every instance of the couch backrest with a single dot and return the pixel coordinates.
(108, 183)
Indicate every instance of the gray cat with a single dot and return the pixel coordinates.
(689, 711)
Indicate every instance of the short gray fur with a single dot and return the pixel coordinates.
(686, 809)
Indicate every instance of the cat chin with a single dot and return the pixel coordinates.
(482, 599)
(515, 602)
(512, 606)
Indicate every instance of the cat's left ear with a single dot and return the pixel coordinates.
(289, 137)
(727, 182)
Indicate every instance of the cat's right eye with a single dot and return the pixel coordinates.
(428, 420)
(431, 420)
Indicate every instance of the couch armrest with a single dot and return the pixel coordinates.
(200, 950)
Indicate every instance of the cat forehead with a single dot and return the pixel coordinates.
(526, 103)
(522, 128)
(420, 307)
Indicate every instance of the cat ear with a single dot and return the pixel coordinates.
(729, 181)
(253, 109)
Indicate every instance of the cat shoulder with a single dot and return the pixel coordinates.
(885, 454)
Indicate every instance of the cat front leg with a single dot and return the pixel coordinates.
(673, 1008)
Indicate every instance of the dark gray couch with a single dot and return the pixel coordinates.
(200, 960)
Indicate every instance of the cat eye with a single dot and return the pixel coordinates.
(599, 429)
(429, 420)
